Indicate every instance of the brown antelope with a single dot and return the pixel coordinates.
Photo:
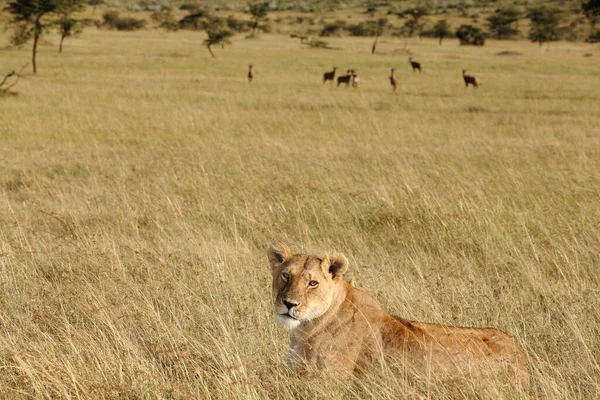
(329, 76)
(250, 73)
(414, 64)
(355, 80)
(469, 79)
(393, 79)
(347, 79)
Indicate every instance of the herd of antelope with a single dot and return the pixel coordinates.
(351, 77)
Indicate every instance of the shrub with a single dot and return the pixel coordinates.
(365, 28)
(503, 23)
(114, 21)
(129, 24)
(546, 24)
(470, 35)
(333, 29)
(165, 20)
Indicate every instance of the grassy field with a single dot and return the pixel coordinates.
(141, 181)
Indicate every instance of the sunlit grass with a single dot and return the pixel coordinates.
(141, 181)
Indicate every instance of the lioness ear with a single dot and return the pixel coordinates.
(335, 264)
(278, 253)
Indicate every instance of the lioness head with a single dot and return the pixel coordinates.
(303, 285)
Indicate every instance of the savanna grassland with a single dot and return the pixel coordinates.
(141, 181)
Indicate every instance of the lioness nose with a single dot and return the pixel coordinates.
(289, 304)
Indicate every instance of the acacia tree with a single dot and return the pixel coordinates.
(413, 24)
(214, 27)
(29, 19)
(194, 20)
(66, 24)
(504, 23)
(469, 35)
(380, 24)
(546, 24)
(441, 29)
(259, 12)
(216, 32)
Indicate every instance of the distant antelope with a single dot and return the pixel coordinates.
(414, 64)
(250, 73)
(393, 79)
(347, 79)
(328, 76)
(469, 79)
(355, 80)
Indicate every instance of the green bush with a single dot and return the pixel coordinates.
(114, 21)
(469, 35)
(129, 24)
(365, 28)
(334, 28)
(165, 20)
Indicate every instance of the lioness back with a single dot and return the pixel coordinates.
(335, 325)
(444, 348)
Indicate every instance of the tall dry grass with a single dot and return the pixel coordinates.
(141, 181)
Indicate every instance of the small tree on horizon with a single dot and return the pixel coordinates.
(546, 24)
(381, 24)
(469, 35)
(29, 20)
(504, 23)
(214, 27)
(68, 25)
(259, 13)
(194, 20)
(217, 33)
(441, 29)
(413, 24)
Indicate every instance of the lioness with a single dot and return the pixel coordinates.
(337, 326)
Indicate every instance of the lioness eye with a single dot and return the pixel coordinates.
(285, 276)
(313, 284)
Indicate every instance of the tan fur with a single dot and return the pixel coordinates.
(335, 325)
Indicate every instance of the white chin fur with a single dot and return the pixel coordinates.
(287, 322)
